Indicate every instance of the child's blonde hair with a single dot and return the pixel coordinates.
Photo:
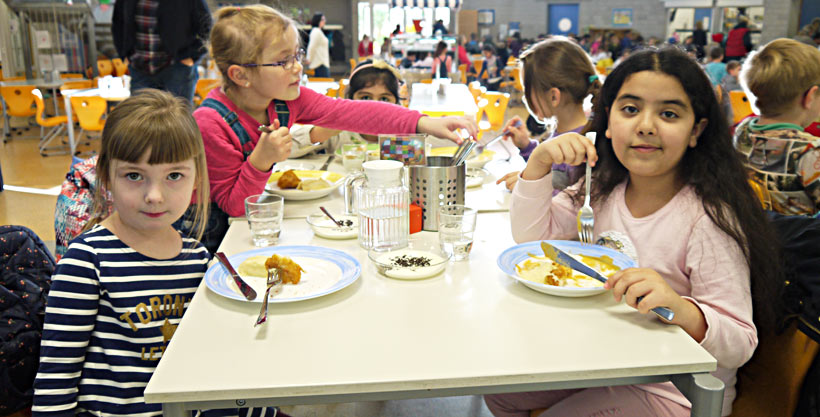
(781, 71)
(238, 35)
(159, 122)
(560, 63)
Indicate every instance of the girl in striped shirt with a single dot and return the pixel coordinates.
(121, 289)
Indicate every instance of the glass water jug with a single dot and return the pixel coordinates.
(381, 199)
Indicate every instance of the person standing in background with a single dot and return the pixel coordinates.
(699, 39)
(365, 47)
(318, 51)
(161, 42)
(739, 41)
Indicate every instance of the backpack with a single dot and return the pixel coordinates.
(26, 266)
(75, 202)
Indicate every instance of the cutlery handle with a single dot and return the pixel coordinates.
(661, 312)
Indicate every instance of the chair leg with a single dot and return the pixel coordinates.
(59, 149)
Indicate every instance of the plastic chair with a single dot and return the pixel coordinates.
(69, 75)
(309, 72)
(73, 85)
(515, 83)
(120, 68)
(493, 105)
(105, 67)
(476, 90)
(352, 65)
(332, 92)
(462, 69)
(740, 105)
(343, 87)
(427, 81)
(203, 87)
(321, 79)
(90, 111)
(56, 123)
(19, 103)
(477, 63)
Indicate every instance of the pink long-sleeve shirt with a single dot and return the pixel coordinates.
(233, 178)
(679, 241)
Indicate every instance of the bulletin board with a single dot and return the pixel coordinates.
(486, 16)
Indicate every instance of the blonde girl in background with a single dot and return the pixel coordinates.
(152, 163)
(670, 190)
(557, 76)
(370, 80)
(257, 51)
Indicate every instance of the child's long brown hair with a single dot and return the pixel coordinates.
(155, 121)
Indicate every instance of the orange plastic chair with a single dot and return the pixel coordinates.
(105, 67)
(203, 87)
(740, 105)
(343, 87)
(17, 78)
(332, 92)
(352, 64)
(19, 103)
(477, 63)
(427, 81)
(493, 106)
(73, 85)
(321, 79)
(69, 75)
(463, 70)
(309, 72)
(120, 68)
(56, 123)
(90, 111)
(476, 90)
(515, 83)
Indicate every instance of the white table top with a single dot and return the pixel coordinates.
(39, 82)
(456, 97)
(321, 87)
(469, 330)
(113, 94)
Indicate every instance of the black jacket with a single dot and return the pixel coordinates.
(184, 26)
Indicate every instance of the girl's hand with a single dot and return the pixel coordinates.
(569, 148)
(446, 127)
(643, 282)
(273, 147)
(509, 180)
(517, 132)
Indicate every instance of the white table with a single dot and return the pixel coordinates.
(110, 94)
(321, 87)
(456, 98)
(471, 330)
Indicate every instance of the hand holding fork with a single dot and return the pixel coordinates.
(586, 220)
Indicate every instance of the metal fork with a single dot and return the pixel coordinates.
(586, 220)
(272, 281)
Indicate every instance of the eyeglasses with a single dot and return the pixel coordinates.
(286, 64)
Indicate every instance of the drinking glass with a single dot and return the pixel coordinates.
(456, 226)
(353, 156)
(264, 213)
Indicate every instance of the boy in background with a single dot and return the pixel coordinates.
(716, 68)
(784, 160)
(730, 82)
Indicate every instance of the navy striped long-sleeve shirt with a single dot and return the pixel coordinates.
(110, 315)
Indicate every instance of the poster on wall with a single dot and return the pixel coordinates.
(486, 17)
(622, 18)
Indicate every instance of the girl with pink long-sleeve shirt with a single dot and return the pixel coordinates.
(670, 191)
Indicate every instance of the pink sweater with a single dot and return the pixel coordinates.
(233, 178)
(681, 243)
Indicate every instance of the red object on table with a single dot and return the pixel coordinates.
(415, 218)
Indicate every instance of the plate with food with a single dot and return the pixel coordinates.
(418, 260)
(527, 264)
(307, 272)
(475, 160)
(295, 184)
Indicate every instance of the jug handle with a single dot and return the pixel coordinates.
(351, 182)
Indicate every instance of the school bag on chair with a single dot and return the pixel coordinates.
(26, 266)
(75, 203)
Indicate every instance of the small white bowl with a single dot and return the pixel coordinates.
(404, 263)
(324, 227)
(475, 177)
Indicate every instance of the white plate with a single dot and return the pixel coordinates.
(476, 176)
(296, 165)
(326, 271)
(298, 152)
(431, 250)
(518, 253)
(334, 178)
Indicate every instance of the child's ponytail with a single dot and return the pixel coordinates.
(593, 90)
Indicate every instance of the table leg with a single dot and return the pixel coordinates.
(704, 391)
(69, 124)
(54, 98)
(173, 410)
(6, 120)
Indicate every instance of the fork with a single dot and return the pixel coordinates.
(272, 281)
(586, 220)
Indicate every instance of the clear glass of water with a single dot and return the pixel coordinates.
(353, 156)
(456, 226)
(264, 213)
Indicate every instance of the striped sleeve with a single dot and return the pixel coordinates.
(70, 316)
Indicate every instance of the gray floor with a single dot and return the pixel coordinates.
(468, 406)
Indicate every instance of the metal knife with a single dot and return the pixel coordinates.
(562, 258)
(481, 147)
(327, 163)
(246, 289)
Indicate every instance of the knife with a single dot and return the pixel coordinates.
(481, 147)
(562, 258)
(327, 163)
(246, 289)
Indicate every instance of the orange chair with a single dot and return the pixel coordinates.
(332, 92)
(105, 67)
(56, 123)
(493, 106)
(19, 103)
(463, 70)
(515, 83)
(120, 68)
(477, 63)
(352, 64)
(309, 72)
(90, 111)
(476, 90)
(203, 87)
(321, 79)
(73, 85)
(427, 81)
(740, 105)
(343, 87)
(69, 75)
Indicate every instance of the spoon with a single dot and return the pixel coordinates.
(338, 223)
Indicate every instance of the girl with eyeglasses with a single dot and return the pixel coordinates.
(557, 76)
(245, 123)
